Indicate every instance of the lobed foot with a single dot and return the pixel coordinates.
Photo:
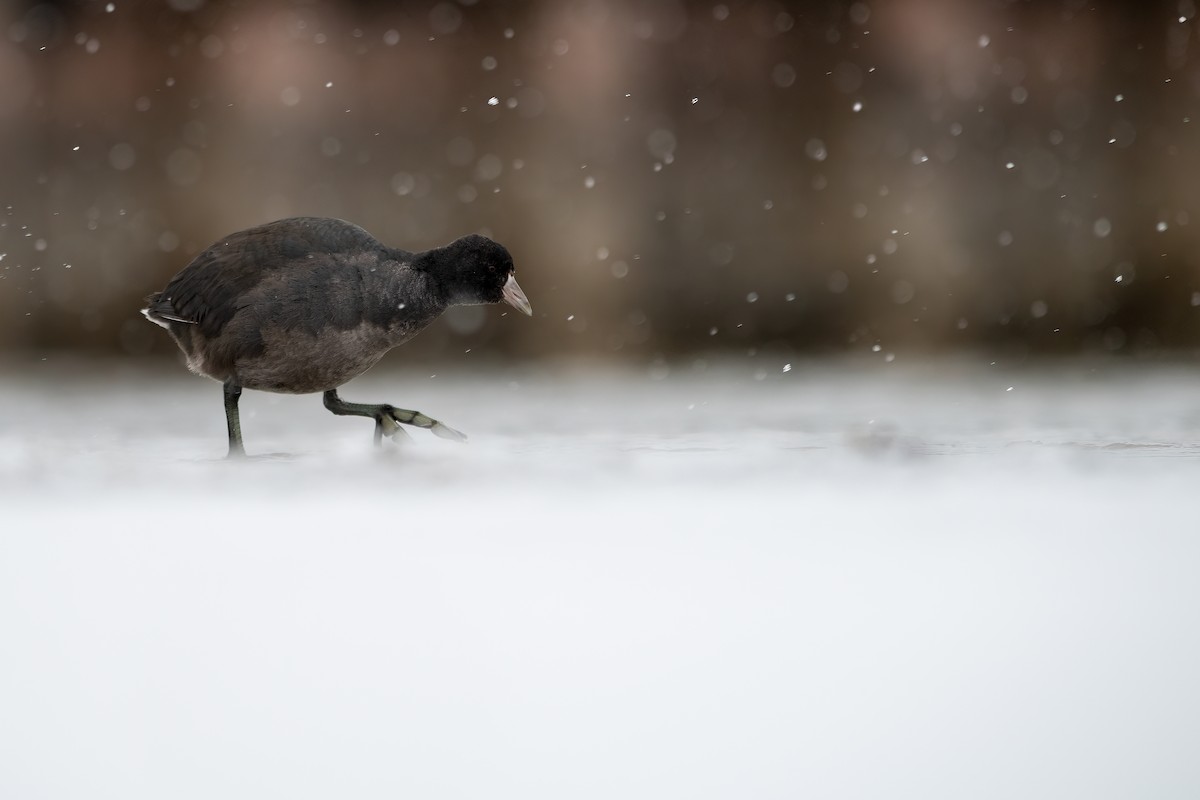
(388, 418)
(419, 420)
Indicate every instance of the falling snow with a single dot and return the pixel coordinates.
(779, 260)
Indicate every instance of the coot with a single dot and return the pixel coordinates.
(305, 304)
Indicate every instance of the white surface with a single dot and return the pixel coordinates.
(843, 581)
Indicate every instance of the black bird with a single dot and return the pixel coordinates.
(305, 304)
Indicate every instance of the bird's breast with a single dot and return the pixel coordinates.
(298, 362)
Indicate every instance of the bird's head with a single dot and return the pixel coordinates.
(474, 270)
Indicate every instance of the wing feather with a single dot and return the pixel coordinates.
(206, 292)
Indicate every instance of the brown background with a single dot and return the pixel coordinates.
(672, 178)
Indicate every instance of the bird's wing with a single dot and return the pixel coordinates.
(207, 291)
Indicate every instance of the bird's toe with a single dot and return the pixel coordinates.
(446, 432)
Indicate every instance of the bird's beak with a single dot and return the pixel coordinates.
(515, 297)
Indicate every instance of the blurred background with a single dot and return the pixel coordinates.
(945, 556)
(673, 178)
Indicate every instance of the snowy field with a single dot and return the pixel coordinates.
(849, 580)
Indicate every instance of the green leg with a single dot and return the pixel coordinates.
(389, 418)
(232, 393)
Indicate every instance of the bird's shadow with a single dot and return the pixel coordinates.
(272, 457)
(388, 453)
(248, 458)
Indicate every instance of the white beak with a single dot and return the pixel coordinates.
(515, 297)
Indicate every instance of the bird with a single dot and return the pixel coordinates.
(305, 304)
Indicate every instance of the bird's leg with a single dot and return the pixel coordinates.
(232, 393)
(388, 418)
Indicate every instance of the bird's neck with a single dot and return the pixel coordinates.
(408, 298)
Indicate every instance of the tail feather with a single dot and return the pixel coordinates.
(160, 311)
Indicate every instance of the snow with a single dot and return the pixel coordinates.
(852, 579)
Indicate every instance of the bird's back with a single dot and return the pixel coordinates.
(208, 291)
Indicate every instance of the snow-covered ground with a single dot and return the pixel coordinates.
(857, 580)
